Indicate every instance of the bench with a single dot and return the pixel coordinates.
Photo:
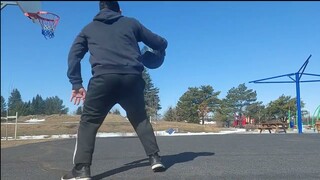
(261, 128)
(308, 126)
(274, 125)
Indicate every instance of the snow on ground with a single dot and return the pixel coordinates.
(35, 120)
(157, 133)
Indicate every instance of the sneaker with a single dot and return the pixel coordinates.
(155, 162)
(75, 174)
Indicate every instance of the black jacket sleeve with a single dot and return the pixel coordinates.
(78, 49)
(151, 39)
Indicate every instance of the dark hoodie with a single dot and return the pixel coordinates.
(112, 40)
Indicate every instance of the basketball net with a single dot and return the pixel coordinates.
(48, 22)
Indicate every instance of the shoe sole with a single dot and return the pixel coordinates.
(158, 168)
(77, 179)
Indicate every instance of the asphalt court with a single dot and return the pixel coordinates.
(230, 156)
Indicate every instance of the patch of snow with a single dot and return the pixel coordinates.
(157, 133)
(34, 120)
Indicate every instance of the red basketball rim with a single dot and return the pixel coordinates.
(39, 16)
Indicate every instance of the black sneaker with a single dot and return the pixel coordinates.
(81, 174)
(155, 162)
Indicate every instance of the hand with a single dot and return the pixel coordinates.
(78, 95)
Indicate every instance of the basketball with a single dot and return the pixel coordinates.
(152, 59)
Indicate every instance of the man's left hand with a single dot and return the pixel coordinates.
(78, 95)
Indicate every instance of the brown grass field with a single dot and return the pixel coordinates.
(67, 124)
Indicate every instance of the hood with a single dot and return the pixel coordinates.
(107, 16)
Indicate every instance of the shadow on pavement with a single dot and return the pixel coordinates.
(167, 160)
(170, 160)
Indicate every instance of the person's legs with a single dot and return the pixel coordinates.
(132, 101)
(100, 98)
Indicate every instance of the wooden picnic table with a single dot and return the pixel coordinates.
(317, 126)
(277, 125)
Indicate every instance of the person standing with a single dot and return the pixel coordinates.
(112, 40)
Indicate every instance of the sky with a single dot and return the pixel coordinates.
(217, 43)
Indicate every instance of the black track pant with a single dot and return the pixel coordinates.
(103, 93)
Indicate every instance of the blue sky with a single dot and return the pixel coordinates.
(222, 44)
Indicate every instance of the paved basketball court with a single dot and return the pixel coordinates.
(233, 156)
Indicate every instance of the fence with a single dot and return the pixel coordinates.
(55, 126)
(15, 124)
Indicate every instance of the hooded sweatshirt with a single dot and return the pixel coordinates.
(112, 40)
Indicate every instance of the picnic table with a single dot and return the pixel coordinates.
(317, 126)
(276, 125)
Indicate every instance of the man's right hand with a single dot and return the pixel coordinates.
(78, 95)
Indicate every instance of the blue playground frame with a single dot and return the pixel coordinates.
(295, 77)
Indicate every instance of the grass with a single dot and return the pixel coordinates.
(66, 124)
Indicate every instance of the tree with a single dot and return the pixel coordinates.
(208, 100)
(279, 108)
(54, 105)
(3, 106)
(15, 103)
(116, 111)
(196, 103)
(151, 96)
(26, 109)
(224, 112)
(79, 110)
(171, 114)
(187, 106)
(37, 105)
(239, 98)
(256, 110)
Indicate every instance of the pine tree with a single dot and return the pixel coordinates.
(170, 114)
(3, 106)
(196, 103)
(116, 111)
(151, 96)
(54, 105)
(278, 109)
(26, 110)
(240, 98)
(37, 105)
(15, 103)
(79, 110)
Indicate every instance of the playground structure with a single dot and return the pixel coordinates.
(239, 121)
(297, 80)
(242, 120)
(316, 115)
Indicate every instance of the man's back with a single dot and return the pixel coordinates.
(112, 41)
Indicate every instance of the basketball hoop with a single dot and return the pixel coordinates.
(47, 20)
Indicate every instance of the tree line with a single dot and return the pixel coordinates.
(199, 103)
(37, 106)
(54, 105)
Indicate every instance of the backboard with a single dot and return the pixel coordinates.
(25, 6)
(32, 9)
(29, 7)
